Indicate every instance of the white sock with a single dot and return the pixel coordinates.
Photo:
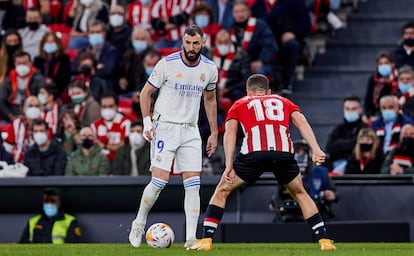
(191, 206)
(149, 197)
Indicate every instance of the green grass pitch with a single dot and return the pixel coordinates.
(230, 249)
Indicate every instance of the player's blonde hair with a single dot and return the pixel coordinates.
(257, 82)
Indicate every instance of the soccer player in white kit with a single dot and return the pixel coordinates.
(181, 79)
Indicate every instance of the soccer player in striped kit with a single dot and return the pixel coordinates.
(267, 145)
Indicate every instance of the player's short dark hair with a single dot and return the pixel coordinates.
(50, 88)
(110, 94)
(353, 97)
(40, 122)
(257, 82)
(193, 30)
(409, 24)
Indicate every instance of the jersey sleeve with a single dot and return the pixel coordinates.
(233, 112)
(157, 77)
(212, 84)
(292, 106)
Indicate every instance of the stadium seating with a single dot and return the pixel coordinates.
(55, 9)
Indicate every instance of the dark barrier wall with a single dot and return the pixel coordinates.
(105, 206)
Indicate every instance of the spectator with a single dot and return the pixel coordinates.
(105, 54)
(342, 139)
(202, 16)
(82, 14)
(13, 17)
(33, 33)
(388, 125)
(382, 82)
(46, 157)
(22, 81)
(112, 128)
(19, 136)
(11, 43)
(400, 160)
(52, 225)
(139, 14)
(68, 131)
(169, 23)
(222, 12)
(233, 67)
(84, 105)
(119, 31)
(88, 159)
(290, 23)
(86, 70)
(367, 156)
(405, 89)
(51, 107)
(53, 62)
(255, 37)
(4, 155)
(133, 158)
(404, 53)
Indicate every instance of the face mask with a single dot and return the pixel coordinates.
(201, 20)
(77, 99)
(41, 98)
(40, 138)
(96, 39)
(86, 3)
(404, 87)
(50, 48)
(33, 25)
(108, 114)
(148, 70)
(11, 49)
(85, 70)
(22, 70)
(384, 70)
(223, 49)
(116, 20)
(136, 139)
(87, 143)
(388, 115)
(145, 1)
(51, 210)
(32, 113)
(351, 116)
(139, 45)
(409, 42)
(364, 147)
(407, 143)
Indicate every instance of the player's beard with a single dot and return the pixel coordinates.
(192, 59)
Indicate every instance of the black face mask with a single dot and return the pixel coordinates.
(85, 70)
(33, 25)
(11, 49)
(87, 143)
(407, 143)
(409, 42)
(365, 147)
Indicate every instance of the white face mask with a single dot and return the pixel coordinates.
(116, 20)
(22, 70)
(108, 114)
(223, 49)
(42, 98)
(136, 140)
(32, 113)
(86, 3)
(40, 138)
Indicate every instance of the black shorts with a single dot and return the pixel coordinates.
(251, 166)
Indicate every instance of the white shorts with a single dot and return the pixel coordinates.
(179, 143)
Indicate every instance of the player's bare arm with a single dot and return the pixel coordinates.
(210, 104)
(145, 103)
(229, 143)
(300, 122)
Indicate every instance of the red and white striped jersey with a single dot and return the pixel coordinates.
(265, 121)
(139, 15)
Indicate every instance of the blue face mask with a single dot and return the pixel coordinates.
(145, 1)
(201, 20)
(50, 48)
(388, 115)
(351, 116)
(139, 45)
(96, 39)
(384, 70)
(51, 210)
(148, 70)
(404, 87)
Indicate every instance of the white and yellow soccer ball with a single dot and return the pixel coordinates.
(160, 235)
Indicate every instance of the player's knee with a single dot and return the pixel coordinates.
(192, 183)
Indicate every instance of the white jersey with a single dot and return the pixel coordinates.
(181, 87)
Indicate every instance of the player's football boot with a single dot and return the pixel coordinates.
(326, 244)
(190, 243)
(135, 235)
(205, 244)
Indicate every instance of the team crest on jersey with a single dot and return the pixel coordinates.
(154, 73)
(158, 158)
(202, 77)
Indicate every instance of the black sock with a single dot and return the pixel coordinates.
(318, 227)
(211, 220)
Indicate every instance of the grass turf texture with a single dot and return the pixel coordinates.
(231, 249)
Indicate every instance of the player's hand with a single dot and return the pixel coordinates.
(318, 157)
(229, 175)
(148, 131)
(211, 145)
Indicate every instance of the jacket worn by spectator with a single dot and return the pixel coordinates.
(365, 166)
(96, 163)
(122, 162)
(403, 58)
(403, 156)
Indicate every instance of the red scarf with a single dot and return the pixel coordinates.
(247, 35)
(222, 69)
(380, 82)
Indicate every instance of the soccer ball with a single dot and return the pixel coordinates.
(160, 235)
